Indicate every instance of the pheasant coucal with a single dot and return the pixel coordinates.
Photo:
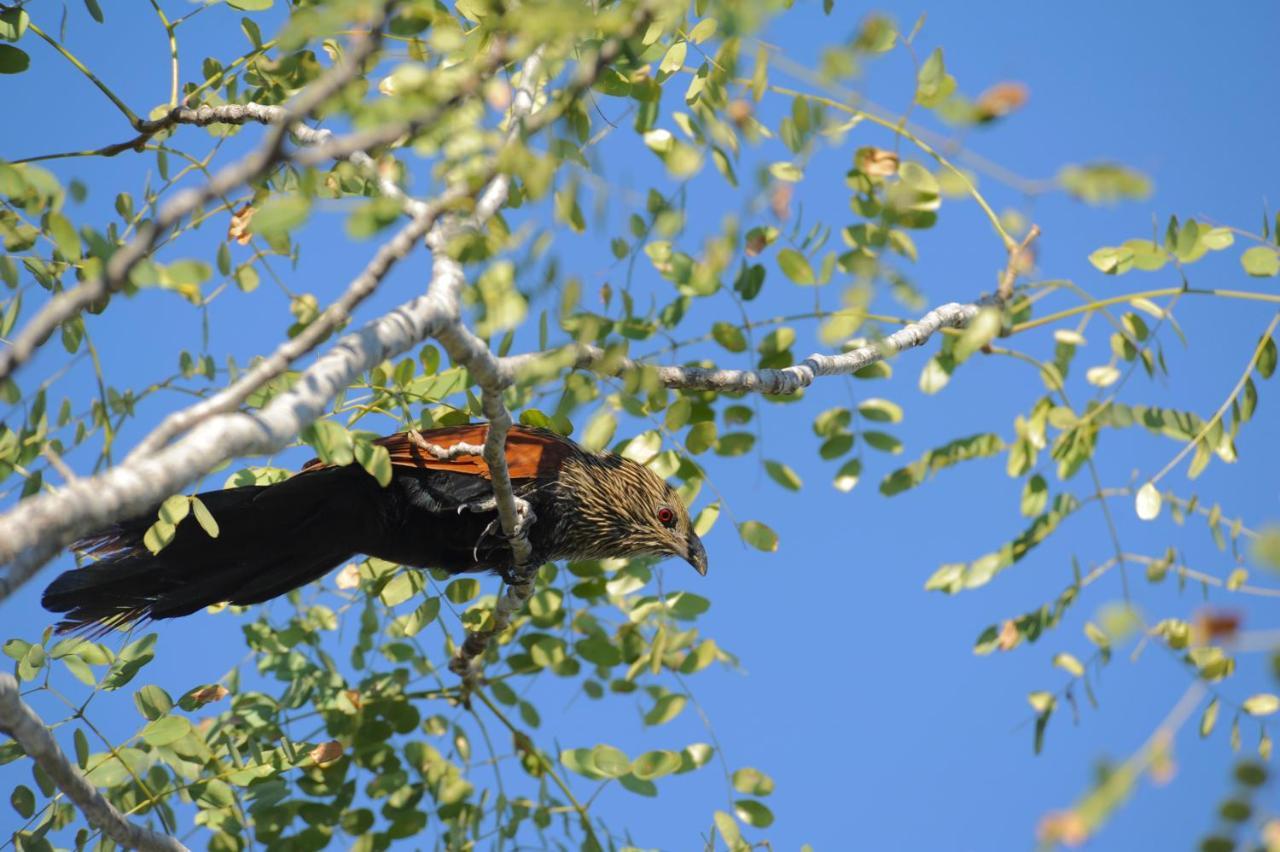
(437, 512)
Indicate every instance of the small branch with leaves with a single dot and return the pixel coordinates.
(27, 729)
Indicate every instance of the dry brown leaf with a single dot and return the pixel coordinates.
(497, 94)
(1065, 827)
(1271, 835)
(780, 201)
(739, 112)
(1009, 636)
(326, 752)
(1002, 99)
(210, 694)
(1025, 261)
(348, 577)
(1215, 625)
(876, 162)
(756, 243)
(239, 228)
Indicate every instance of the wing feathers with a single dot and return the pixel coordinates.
(531, 453)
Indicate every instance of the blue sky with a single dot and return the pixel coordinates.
(858, 692)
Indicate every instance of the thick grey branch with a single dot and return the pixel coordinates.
(21, 722)
(36, 529)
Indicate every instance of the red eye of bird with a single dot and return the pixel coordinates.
(667, 517)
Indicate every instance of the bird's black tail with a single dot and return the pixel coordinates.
(271, 539)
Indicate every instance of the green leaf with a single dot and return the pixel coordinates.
(847, 476)
(13, 23)
(795, 266)
(250, 5)
(13, 60)
(175, 508)
(158, 536)
(706, 519)
(786, 172)
(130, 661)
(1042, 702)
(1262, 704)
(729, 831)
(753, 813)
(783, 475)
(1266, 365)
(655, 764)
(665, 709)
(462, 590)
(95, 11)
(1099, 183)
(203, 517)
(981, 331)
(281, 214)
(421, 617)
(1209, 719)
(24, 802)
(64, 236)
(729, 336)
(29, 666)
(166, 730)
(880, 410)
(1069, 664)
(752, 782)
(673, 60)
(1113, 260)
(882, 441)
(758, 536)
(599, 431)
(399, 589)
(375, 459)
(152, 702)
(701, 437)
(704, 30)
(1261, 261)
(933, 84)
(332, 442)
(609, 761)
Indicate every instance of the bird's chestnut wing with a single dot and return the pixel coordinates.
(531, 453)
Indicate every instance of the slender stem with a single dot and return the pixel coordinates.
(93, 78)
(1222, 409)
(546, 765)
(1145, 294)
(1010, 243)
(173, 53)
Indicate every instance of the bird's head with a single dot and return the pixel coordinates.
(624, 509)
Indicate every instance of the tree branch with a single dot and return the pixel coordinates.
(784, 381)
(68, 303)
(21, 722)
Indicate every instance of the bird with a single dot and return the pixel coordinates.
(438, 511)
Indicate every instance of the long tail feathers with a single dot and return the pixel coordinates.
(272, 539)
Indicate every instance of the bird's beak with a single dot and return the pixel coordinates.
(696, 554)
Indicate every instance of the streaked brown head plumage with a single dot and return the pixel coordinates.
(622, 508)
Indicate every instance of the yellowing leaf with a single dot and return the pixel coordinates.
(759, 536)
(795, 266)
(1261, 261)
(326, 752)
(1147, 503)
(1262, 704)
